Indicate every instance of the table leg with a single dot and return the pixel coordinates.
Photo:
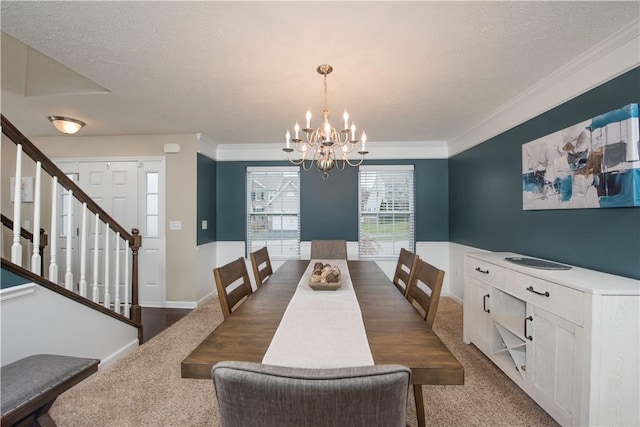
(417, 393)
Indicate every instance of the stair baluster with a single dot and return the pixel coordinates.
(83, 253)
(16, 247)
(96, 243)
(116, 297)
(53, 263)
(36, 258)
(68, 275)
(107, 297)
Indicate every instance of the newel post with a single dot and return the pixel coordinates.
(136, 314)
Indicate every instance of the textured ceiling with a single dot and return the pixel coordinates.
(242, 72)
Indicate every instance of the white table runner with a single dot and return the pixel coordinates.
(321, 329)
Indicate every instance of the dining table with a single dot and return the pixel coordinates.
(395, 331)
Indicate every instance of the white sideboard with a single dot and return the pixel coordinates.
(569, 338)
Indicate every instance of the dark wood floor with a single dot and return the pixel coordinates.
(156, 320)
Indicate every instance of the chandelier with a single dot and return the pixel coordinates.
(325, 146)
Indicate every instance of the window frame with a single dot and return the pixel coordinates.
(265, 196)
(363, 252)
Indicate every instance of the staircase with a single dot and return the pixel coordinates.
(97, 268)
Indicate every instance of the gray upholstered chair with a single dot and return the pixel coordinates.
(328, 249)
(251, 394)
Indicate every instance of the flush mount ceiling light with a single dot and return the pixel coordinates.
(325, 145)
(66, 125)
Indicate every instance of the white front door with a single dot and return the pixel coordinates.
(132, 193)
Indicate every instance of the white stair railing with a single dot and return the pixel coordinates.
(123, 301)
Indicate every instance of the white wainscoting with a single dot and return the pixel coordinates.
(445, 255)
(43, 321)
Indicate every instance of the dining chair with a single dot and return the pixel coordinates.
(226, 278)
(403, 271)
(423, 290)
(261, 265)
(252, 394)
(424, 276)
(328, 249)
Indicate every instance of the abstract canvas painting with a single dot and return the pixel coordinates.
(593, 164)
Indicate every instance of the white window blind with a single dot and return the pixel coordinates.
(273, 210)
(386, 217)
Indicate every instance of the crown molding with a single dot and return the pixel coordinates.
(377, 151)
(608, 59)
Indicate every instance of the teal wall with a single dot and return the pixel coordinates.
(329, 208)
(207, 196)
(485, 201)
(8, 279)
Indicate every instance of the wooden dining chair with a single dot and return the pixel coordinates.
(251, 394)
(261, 265)
(328, 249)
(423, 292)
(233, 285)
(403, 271)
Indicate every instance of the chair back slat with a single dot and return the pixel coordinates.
(261, 264)
(328, 249)
(432, 278)
(229, 292)
(403, 271)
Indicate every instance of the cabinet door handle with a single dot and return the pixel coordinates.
(544, 294)
(527, 336)
(479, 270)
(484, 303)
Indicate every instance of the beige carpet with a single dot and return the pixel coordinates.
(145, 388)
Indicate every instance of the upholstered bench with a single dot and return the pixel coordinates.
(31, 385)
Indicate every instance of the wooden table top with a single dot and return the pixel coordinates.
(395, 330)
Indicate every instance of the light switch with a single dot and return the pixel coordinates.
(204, 224)
(175, 225)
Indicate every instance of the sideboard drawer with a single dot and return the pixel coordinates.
(485, 271)
(560, 300)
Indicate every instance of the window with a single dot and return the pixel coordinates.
(152, 211)
(273, 210)
(386, 217)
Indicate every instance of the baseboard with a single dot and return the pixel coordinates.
(453, 297)
(113, 357)
(206, 298)
(180, 304)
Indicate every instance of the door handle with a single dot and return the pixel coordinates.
(479, 270)
(484, 303)
(529, 337)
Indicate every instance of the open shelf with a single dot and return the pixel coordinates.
(510, 348)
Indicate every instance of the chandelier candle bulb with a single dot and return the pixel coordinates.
(364, 140)
(287, 139)
(309, 120)
(346, 119)
(297, 129)
(353, 132)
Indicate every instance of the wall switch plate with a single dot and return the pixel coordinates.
(204, 224)
(175, 225)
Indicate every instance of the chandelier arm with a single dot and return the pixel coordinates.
(304, 164)
(355, 164)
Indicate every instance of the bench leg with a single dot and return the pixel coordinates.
(40, 417)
